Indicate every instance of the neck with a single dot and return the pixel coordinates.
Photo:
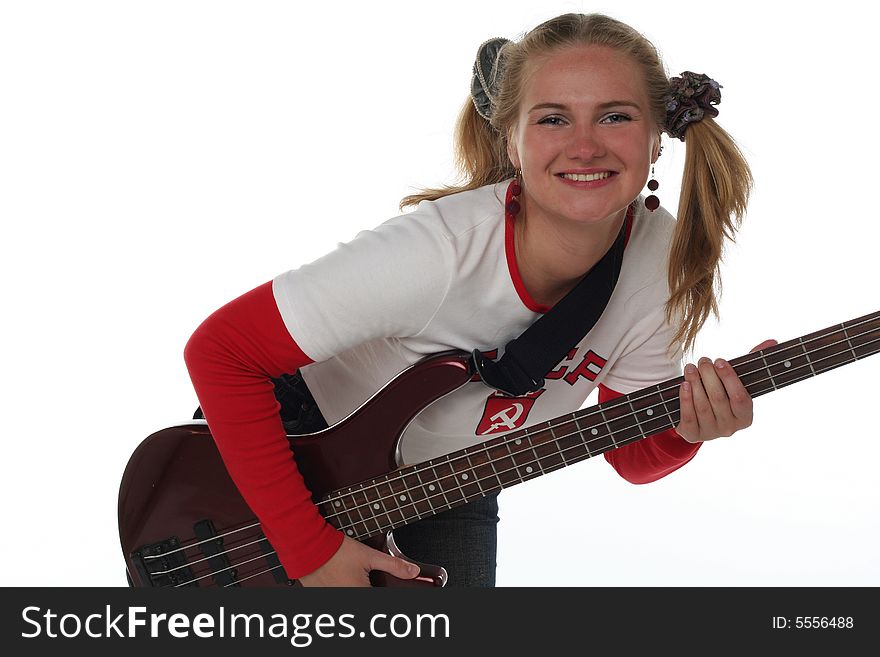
(552, 256)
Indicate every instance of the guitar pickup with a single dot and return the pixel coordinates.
(222, 571)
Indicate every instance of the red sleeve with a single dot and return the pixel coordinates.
(230, 357)
(651, 458)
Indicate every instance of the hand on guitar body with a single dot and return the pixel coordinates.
(352, 563)
(714, 402)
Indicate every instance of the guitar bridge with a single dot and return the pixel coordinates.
(163, 564)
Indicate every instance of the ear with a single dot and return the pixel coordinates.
(655, 149)
(511, 150)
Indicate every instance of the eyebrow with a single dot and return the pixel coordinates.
(610, 103)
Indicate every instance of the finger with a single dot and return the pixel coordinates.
(396, 566)
(716, 392)
(740, 402)
(764, 345)
(702, 406)
(688, 427)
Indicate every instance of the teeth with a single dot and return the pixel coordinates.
(586, 177)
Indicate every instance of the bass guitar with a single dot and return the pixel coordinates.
(182, 521)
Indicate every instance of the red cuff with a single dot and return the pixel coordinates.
(651, 458)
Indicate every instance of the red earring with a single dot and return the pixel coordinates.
(652, 202)
(512, 206)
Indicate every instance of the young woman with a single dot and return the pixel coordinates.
(556, 142)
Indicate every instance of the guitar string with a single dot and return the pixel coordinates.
(611, 405)
(252, 575)
(575, 417)
(494, 476)
(632, 414)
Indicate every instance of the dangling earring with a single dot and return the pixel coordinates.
(512, 206)
(652, 202)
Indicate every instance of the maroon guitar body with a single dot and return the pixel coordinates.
(182, 521)
(176, 479)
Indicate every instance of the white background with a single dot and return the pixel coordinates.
(160, 158)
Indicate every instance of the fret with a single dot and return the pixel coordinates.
(508, 465)
(846, 335)
(607, 426)
(672, 391)
(484, 467)
(584, 439)
(386, 497)
(772, 382)
(476, 477)
(537, 460)
(348, 519)
(424, 491)
(413, 485)
(467, 480)
(456, 478)
(453, 493)
(547, 449)
(521, 459)
(491, 462)
(635, 416)
(786, 366)
(807, 356)
(646, 407)
(866, 341)
(559, 444)
(432, 487)
(358, 505)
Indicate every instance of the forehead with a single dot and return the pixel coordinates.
(584, 74)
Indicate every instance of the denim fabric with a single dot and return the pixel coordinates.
(463, 540)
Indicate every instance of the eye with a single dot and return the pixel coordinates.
(552, 120)
(617, 118)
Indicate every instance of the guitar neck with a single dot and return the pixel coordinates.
(424, 489)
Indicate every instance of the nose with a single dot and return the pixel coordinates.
(585, 143)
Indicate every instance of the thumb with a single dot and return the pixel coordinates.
(396, 566)
(764, 345)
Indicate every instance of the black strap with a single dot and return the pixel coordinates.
(545, 343)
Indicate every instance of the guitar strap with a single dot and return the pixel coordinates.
(545, 343)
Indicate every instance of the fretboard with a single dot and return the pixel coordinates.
(424, 489)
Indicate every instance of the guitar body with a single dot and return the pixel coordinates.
(182, 521)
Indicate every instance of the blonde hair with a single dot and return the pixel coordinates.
(715, 184)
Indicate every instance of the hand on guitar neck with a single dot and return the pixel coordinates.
(713, 401)
(352, 563)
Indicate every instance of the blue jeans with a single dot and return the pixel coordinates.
(463, 540)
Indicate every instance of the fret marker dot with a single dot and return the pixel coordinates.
(528, 468)
(337, 503)
(349, 532)
(403, 498)
(787, 363)
(431, 487)
(650, 411)
(517, 442)
(375, 506)
(595, 432)
(464, 476)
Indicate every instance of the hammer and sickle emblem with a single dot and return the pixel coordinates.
(506, 420)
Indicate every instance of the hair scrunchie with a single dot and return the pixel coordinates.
(487, 74)
(691, 97)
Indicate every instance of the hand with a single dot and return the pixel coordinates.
(352, 563)
(713, 400)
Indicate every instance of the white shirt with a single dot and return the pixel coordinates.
(443, 277)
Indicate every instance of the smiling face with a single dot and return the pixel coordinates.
(585, 137)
